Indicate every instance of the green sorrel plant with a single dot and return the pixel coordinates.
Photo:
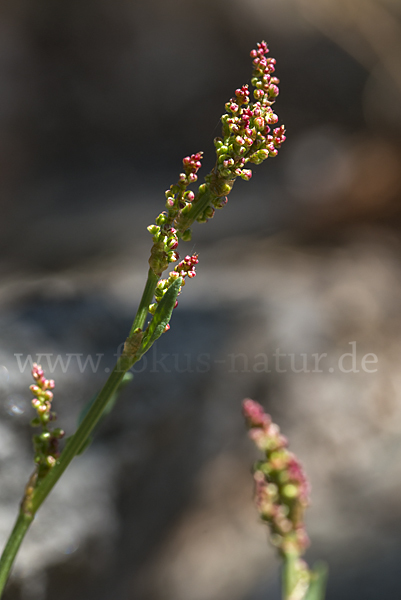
(246, 138)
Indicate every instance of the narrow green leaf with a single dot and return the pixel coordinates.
(161, 317)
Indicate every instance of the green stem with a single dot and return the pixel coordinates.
(75, 443)
(289, 579)
(14, 542)
(146, 299)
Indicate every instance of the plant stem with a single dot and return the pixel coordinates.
(10, 551)
(74, 444)
(196, 210)
(146, 299)
(289, 578)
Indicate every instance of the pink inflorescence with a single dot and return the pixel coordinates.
(185, 268)
(46, 443)
(281, 487)
(247, 135)
(192, 163)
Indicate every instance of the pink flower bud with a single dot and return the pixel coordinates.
(273, 91)
(271, 118)
(172, 244)
(246, 174)
(255, 414)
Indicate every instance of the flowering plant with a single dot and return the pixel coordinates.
(247, 137)
(282, 495)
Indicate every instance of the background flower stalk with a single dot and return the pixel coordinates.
(282, 496)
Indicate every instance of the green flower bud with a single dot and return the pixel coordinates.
(51, 461)
(153, 229)
(185, 210)
(186, 236)
(222, 150)
(201, 218)
(290, 491)
(263, 154)
(161, 219)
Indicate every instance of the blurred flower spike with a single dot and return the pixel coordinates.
(46, 443)
(282, 490)
(282, 495)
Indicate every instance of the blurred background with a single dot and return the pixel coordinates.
(99, 103)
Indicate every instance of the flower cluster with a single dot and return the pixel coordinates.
(247, 136)
(185, 268)
(178, 202)
(46, 443)
(282, 490)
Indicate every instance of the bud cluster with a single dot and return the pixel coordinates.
(179, 202)
(247, 136)
(185, 268)
(282, 490)
(46, 443)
